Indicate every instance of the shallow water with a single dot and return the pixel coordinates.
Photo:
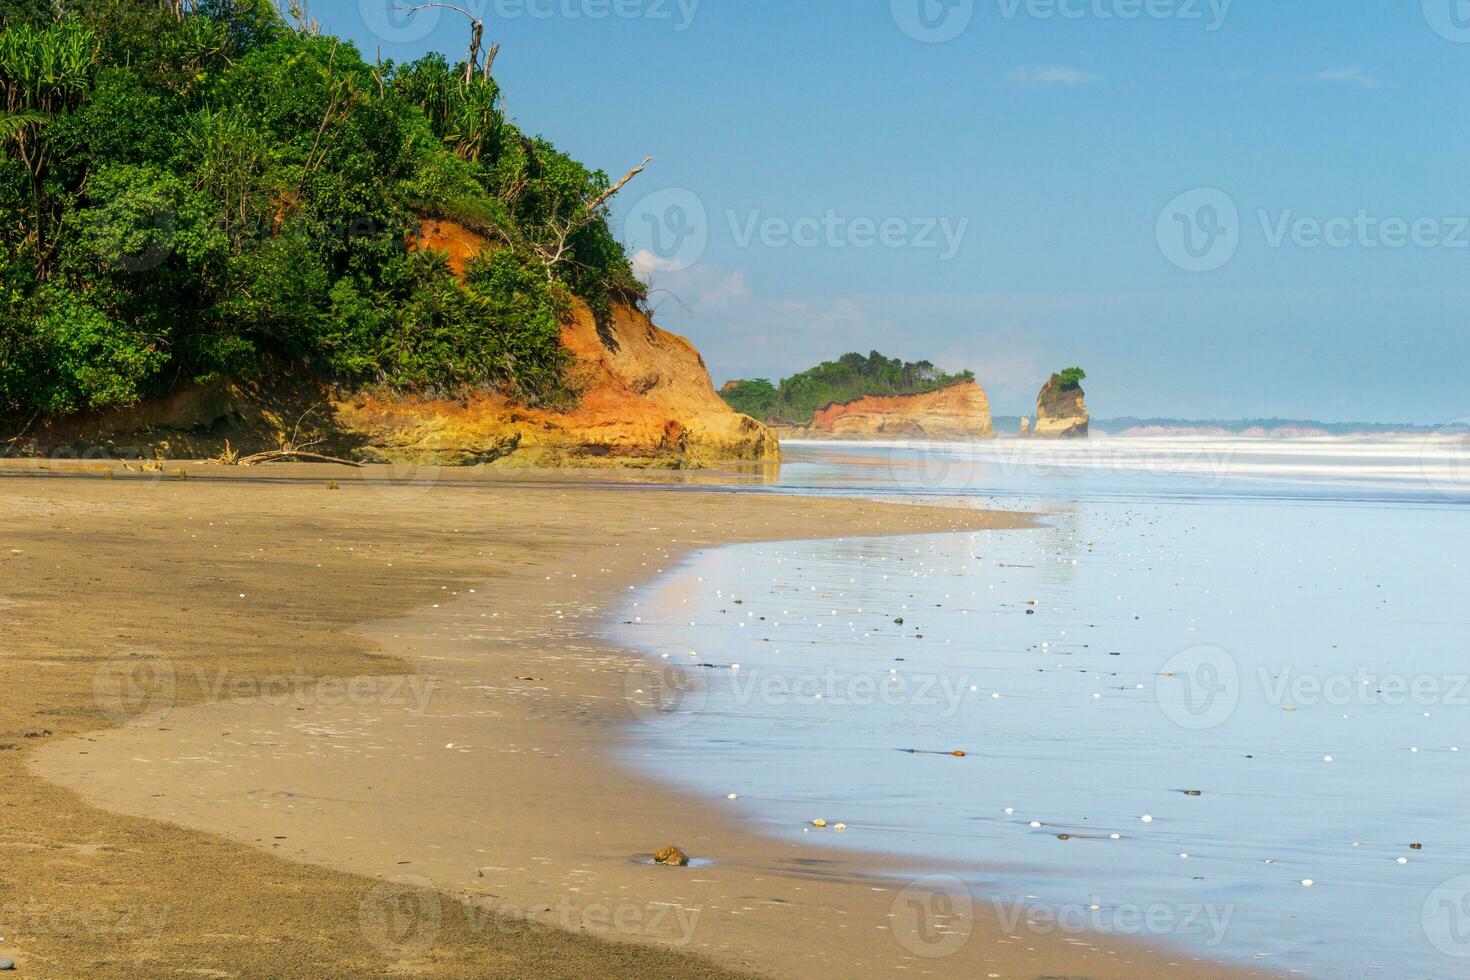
(1181, 627)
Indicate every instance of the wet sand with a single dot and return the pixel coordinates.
(457, 808)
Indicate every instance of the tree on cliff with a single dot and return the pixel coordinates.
(198, 189)
(1070, 378)
(756, 398)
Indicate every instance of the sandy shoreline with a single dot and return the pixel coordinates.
(486, 774)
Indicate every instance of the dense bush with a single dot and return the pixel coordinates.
(1071, 378)
(797, 399)
(209, 192)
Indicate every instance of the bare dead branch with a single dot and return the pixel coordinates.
(608, 194)
(477, 34)
(282, 455)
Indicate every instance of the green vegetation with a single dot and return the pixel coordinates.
(797, 399)
(1070, 378)
(201, 189)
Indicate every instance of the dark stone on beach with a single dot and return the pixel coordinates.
(1193, 792)
(898, 621)
(672, 856)
(1416, 847)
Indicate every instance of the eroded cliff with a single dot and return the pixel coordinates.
(1061, 412)
(646, 400)
(958, 412)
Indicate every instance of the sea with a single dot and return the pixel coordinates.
(1218, 700)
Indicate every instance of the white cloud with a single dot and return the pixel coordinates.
(1348, 76)
(1029, 75)
(645, 264)
(697, 289)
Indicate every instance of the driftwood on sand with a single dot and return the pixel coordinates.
(299, 455)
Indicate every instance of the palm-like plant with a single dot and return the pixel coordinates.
(43, 71)
(12, 124)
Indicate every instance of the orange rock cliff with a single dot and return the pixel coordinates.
(646, 400)
(957, 412)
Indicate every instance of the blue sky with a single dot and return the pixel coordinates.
(1220, 209)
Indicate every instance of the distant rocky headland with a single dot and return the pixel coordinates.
(875, 397)
(960, 411)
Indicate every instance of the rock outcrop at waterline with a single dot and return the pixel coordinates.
(957, 412)
(1061, 412)
(646, 400)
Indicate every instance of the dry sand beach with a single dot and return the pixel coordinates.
(193, 786)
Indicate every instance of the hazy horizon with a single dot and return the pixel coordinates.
(1219, 209)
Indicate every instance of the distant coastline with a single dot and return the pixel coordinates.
(1260, 428)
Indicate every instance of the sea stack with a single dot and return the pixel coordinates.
(1025, 427)
(1061, 412)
